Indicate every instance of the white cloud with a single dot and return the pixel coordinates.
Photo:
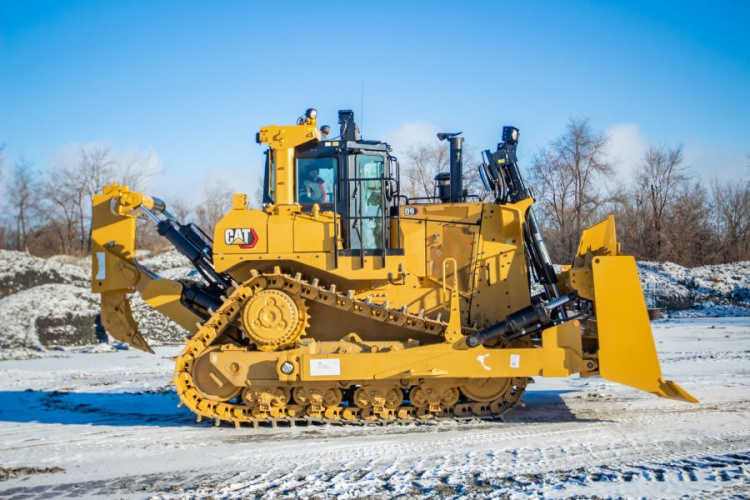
(627, 144)
(411, 134)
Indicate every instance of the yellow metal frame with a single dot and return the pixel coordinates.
(559, 356)
(116, 273)
(627, 352)
(282, 140)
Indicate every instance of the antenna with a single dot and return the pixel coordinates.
(362, 106)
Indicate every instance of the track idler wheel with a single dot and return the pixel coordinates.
(210, 382)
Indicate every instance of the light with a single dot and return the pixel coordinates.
(311, 113)
(286, 367)
(510, 135)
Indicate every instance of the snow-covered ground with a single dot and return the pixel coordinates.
(109, 420)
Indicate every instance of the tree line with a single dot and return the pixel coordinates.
(48, 212)
(664, 212)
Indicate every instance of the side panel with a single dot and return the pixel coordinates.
(242, 232)
(412, 237)
(501, 278)
(313, 234)
(451, 241)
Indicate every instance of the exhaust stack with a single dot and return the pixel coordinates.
(456, 164)
(349, 129)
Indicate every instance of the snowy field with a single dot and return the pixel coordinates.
(105, 424)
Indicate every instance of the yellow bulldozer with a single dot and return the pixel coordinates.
(344, 300)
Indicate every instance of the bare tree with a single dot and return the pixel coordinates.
(20, 199)
(424, 161)
(568, 177)
(659, 178)
(731, 202)
(182, 210)
(61, 213)
(137, 169)
(217, 200)
(68, 191)
(687, 232)
(95, 168)
(420, 166)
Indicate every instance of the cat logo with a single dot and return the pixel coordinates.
(245, 238)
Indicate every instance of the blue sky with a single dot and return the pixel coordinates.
(193, 81)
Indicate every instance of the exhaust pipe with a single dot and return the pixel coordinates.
(349, 129)
(456, 164)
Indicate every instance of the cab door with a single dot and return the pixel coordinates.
(366, 204)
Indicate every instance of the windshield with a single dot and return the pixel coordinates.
(315, 179)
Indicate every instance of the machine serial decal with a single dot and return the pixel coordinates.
(515, 361)
(244, 237)
(481, 359)
(325, 367)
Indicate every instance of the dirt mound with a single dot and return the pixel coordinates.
(65, 315)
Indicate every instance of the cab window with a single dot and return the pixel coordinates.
(270, 183)
(368, 202)
(315, 180)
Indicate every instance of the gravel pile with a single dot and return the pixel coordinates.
(700, 289)
(47, 303)
(20, 271)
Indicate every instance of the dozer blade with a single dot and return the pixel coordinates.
(117, 319)
(627, 353)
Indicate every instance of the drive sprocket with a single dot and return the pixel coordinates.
(272, 319)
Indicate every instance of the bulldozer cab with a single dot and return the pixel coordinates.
(355, 179)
